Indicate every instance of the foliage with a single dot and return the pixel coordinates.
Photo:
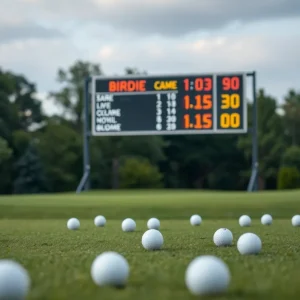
(291, 157)
(139, 173)
(270, 138)
(288, 178)
(70, 97)
(291, 108)
(5, 151)
(219, 162)
(60, 149)
(30, 177)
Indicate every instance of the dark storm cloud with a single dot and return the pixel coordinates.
(183, 16)
(9, 33)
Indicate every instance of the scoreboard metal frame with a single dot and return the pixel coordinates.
(89, 117)
(168, 77)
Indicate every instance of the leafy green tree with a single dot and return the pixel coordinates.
(21, 140)
(139, 173)
(60, 148)
(30, 173)
(20, 107)
(291, 108)
(291, 157)
(28, 106)
(70, 97)
(106, 153)
(270, 140)
(288, 178)
(5, 151)
(199, 161)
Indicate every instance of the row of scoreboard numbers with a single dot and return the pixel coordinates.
(169, 105)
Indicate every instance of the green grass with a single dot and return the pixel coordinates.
(33, 232)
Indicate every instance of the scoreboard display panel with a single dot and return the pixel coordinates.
(171, 104)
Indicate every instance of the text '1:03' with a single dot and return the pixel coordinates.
(199, 84)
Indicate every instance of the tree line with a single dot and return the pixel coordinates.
(43, 154)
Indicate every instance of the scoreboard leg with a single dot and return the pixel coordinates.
(253, 182)
(85, 180)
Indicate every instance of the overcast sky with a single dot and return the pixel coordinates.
(159, 36)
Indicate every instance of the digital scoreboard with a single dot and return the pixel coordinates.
(163, 105)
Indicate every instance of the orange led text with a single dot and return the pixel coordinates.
(115, 86)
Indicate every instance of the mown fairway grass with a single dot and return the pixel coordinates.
(33, 232)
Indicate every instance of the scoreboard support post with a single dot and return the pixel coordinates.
(104, 95)
(253, 182)
(84, 183)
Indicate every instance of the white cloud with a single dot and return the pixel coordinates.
(38, 59)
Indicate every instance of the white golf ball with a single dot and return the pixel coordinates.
(195, 220)
(266, 219)
(14, 280)
(223, 237)
(245, 221)
(153, 223)
(73, 224)
(249, 243)
(296, 220)
(152, 240)
(100, 221)
(110, 269)
(207, 275)
(128, 225)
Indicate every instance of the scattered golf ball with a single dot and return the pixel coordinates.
(128, 225)
(153, 223)
(152, 240)
(110, 269)
(249, 243)
(245, 221)
(73, 224)
(223, 237)
(14, 280)
(266, 219)
(195, 220)
(296, 220)
(207, 275)
(99, 221)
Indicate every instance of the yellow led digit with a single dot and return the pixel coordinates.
(225, 120)
(235, 120)
(235, 101)
(230, 101)
(225, 101)
(230, 120)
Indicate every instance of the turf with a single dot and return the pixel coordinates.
(33, 232)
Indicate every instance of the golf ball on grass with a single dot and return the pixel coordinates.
(128, 225)
(73, 224)
(110, 269)
(266, 219)
(100, 221)
(195, 220)
(152, 240)
(223, 237)
(249, 243)
(245, 221)
(296, 220)
(14, 280)
(207, 275)
(153, 223)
